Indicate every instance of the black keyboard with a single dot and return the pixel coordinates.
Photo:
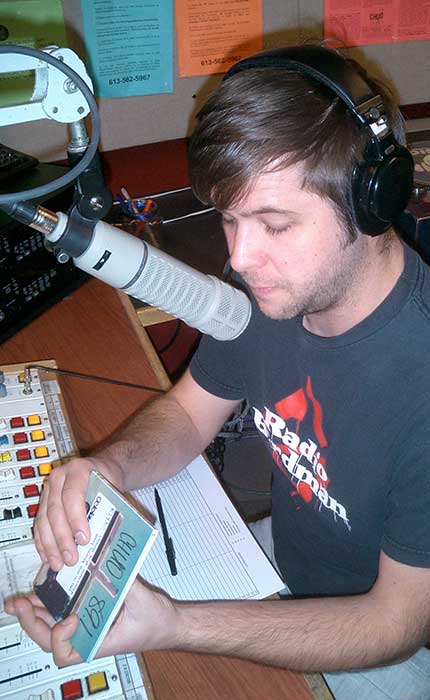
(13, 162)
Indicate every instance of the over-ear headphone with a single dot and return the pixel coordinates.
(382, 183)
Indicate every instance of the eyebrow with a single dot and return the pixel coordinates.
(265, 210)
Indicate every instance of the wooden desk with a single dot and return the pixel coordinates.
(90, 332)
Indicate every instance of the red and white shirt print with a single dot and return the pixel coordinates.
(299, 456)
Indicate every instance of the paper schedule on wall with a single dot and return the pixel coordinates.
(130, 46)
(362, 22)
(214, 34)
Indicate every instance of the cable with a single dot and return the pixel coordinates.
(188, 216)
(170, 342)
(77, 169)
(93, 377)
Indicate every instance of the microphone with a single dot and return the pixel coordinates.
(144, 272)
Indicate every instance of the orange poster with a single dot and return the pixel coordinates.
(214, 34)
(360, 22)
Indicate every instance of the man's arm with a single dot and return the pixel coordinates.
(165, 436)
(388, 623)
(381, 627)
(162, 439)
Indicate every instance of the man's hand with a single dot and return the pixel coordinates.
(132, 631)
(61, 521)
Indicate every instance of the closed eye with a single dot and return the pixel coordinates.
(276, 231)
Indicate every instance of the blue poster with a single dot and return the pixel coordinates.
(129, 46)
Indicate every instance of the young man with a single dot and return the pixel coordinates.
(334, 365)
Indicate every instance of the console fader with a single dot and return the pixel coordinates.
(34, 437)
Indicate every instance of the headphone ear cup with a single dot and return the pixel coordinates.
(381, 189)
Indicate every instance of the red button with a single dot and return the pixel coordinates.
(72, 690)
(32, 510)
(21, 455)
(27, 473)
(19, 438)
(17, 422)
(31, 490)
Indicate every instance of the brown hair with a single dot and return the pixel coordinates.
(269, 118)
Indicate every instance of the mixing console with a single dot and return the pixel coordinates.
(34, 437)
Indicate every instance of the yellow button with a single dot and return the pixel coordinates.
(5, 457)
(34, 419)
(21, 377)
(41, 451)
(37, 435)
(44, 469)
(97, 682)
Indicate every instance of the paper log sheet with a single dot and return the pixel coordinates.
(216, 555)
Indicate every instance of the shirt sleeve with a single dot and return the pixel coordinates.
(216, 367)
(406, 536)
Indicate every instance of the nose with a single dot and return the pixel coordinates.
(246, 250)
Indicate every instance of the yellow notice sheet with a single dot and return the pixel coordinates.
(214, 34)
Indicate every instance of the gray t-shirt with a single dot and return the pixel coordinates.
(347, 421)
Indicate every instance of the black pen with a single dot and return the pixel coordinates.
(168, 542)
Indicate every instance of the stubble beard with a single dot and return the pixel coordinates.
(325, 291)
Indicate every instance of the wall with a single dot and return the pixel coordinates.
(149, 119)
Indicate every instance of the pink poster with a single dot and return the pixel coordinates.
(360, 22)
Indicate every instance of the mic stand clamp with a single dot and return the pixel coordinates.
(92, 198)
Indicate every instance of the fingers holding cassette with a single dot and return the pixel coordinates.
(50, 510)
(61, 521)
(41, 627)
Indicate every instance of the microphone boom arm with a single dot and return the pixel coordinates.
(104, 251)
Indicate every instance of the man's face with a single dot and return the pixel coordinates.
(289, 247)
